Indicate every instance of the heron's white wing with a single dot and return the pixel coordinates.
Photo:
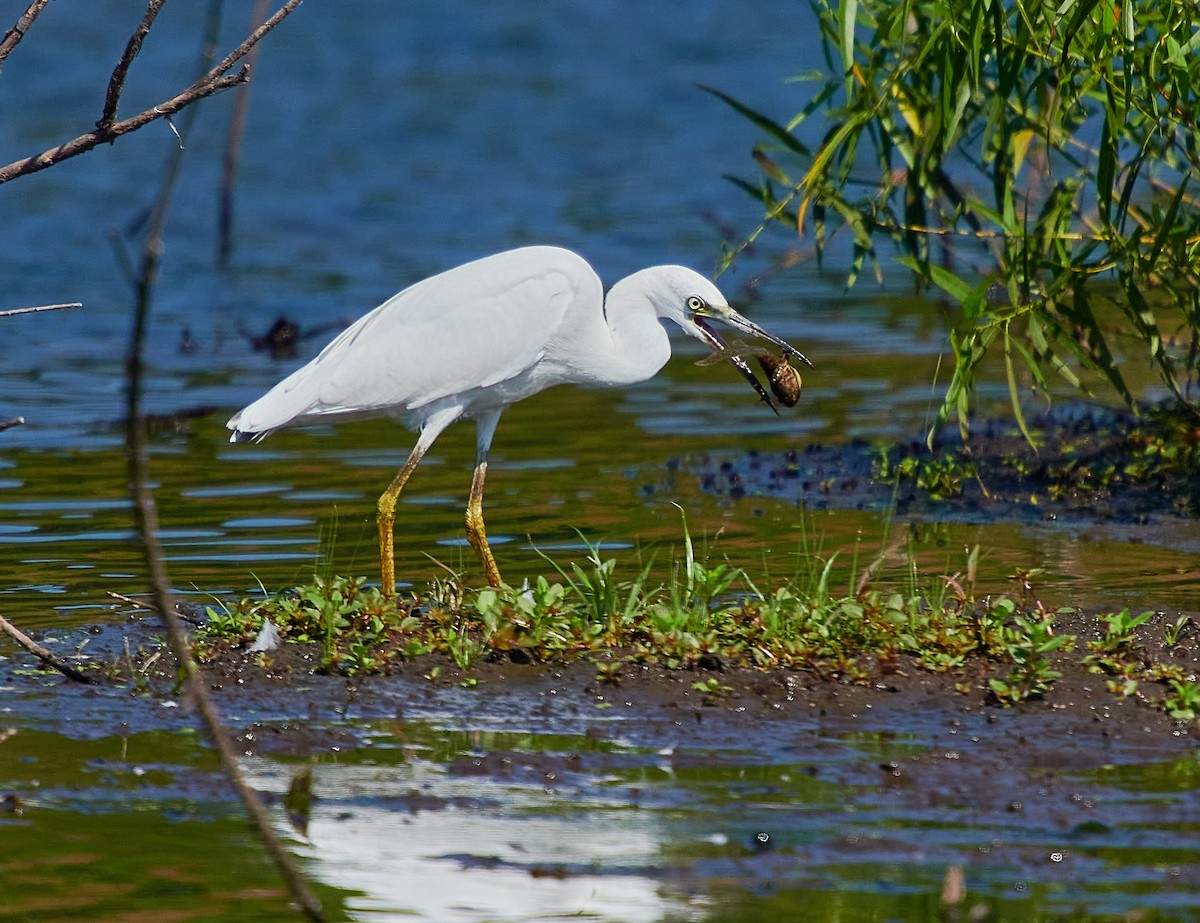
(471, 328)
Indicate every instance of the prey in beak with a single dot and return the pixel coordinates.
(784, 380)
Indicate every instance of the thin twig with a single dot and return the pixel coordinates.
(9, 424)
(45, 656)
(174, 161)
(138, 603)
(254, 38)
(14, 35)
(116, 83)
(42, 307)
(85, 143)
(212, 82)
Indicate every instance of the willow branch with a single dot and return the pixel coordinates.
(217, 79)
(14, 35)
(45, 656)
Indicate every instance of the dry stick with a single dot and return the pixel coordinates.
(116, 83)
(9, 424)
(42, 307)
(17, 32)
(146, 515)
(237, 126)
(212, 82)
(42, 654)
(139, 603)
(85, 143)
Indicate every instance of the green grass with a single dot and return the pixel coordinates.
(710, 615)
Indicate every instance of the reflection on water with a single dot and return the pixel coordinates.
(454, 819)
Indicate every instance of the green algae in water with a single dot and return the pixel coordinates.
(129, 827)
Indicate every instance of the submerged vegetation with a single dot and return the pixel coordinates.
(710, 617)
(1013, 154)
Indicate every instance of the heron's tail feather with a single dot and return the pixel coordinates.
(248, 434)
(239, 435)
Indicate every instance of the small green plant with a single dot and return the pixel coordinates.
(1116, 651)
(1182, 701)
(1028, 642)
(609, 672)
(607, 601)
(712, 687)
(940, 476)
(464, 647)
(1118, 634)
(345, 617)
(1173, 633)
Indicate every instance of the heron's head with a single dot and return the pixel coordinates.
(696, 305)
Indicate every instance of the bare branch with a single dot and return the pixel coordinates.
(116, 82)
(17, 32)
(9, 424)
(85, 143)
(42, 307)
(254, 38)
(47, 657)
(212, 82)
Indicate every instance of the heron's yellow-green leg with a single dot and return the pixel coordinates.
(386, 518)
(476, 534)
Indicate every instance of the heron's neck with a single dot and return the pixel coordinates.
(637, 345)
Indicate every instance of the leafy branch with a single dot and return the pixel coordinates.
(1032, 159)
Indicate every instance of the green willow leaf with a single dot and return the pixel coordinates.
(1013, 391)
(1074, 120)
(770, 126)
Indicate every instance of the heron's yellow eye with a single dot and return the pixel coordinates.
(695, 303)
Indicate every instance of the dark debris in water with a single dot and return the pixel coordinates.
(1093, 464)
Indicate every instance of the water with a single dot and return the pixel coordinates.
(384, 146)
(526, 801)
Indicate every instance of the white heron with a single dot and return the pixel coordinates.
(473, 340)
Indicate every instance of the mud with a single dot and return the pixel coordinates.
(287, 708)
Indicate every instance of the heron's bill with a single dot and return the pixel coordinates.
(714, 342)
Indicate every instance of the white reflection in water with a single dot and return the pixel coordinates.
(481, 851)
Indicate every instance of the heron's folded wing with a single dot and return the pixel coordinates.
(473, 327)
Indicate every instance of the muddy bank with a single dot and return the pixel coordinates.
(1092, 465)
(898, 697)
(763, 787)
